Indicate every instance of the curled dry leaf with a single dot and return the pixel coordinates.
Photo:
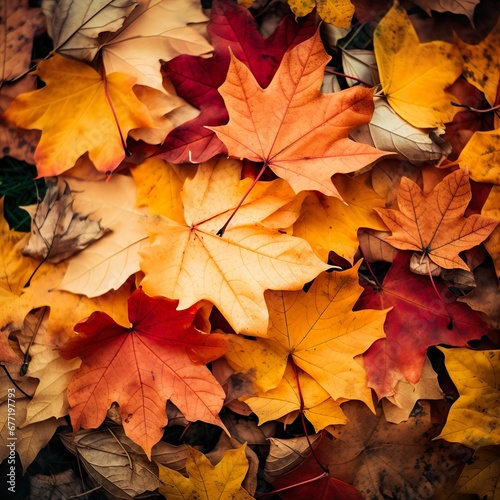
(465, 7)
(389, 132)
(57, 232)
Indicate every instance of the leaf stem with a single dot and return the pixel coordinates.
(303, 418)
(24, 367)
(333, 72)
(14, 382)
(221, 231)
(450, 324)
(317, 478)
(475, 110)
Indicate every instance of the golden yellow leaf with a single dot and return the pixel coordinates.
(481, 63)
(319, 408)
(319, 332)
(474, 418)
(205, 481)
(491, 208)
(481, 155)
(189, 262)
(329, 224)
(336, 12)
(159, 186)
(414, 75)
(481, 474)
(75, 116)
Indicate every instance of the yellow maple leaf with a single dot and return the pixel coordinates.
(474, 418)
(76, 117)
(327, 223)
(205, 481)
(491, 208)
(319, 408)
(414, 75)
(336, 12)
(321, 334)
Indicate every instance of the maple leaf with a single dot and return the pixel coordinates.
(156, 30)
(57, 232)
(109, 262)
(415, 308)
(90, 126)
(414, 75)
(189, 262)
(382, 459)
(481, 155)
(285, 399)
(319, 332)
(197, 79)
(205, 481)
(75, 27)
(309, 480)
(163, 357)
(465, 7)
(481, 475)
(474, 417)
(434, 224)
(336, 12)
(304, 140)
(327, 223)
(481, 67)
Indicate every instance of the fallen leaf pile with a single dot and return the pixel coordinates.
(257, 264)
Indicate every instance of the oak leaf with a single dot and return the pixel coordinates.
(434, 224)
(197, 79)
(336, 12)
(90, 126)
(474, 418)
(304, 140)
(327, 223)
(415, 308)
(319, 332)
(206, 481)
(57, 232)
(189, 262)
(75, 26)
(414, 75)
(162, 355)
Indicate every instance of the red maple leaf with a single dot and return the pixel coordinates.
(419, 319)
(197, 79)
(160, 357)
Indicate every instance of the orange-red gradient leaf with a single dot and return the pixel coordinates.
(159, 357)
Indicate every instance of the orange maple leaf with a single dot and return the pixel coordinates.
(300, 133)
(160, 357)
(76, 117)
(435, 224)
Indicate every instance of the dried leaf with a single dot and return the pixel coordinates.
(57, 232)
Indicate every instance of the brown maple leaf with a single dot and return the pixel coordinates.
(300, 133)
(434, 223)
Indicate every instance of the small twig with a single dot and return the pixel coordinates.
(130, 464)
(475, 110)
(333, 72)
(78, 495)
(14, 382)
